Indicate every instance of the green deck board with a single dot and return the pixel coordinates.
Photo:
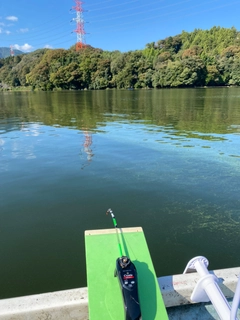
(104, 295)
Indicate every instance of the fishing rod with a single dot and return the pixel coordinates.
(128, 280)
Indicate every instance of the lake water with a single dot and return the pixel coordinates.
(165, 160)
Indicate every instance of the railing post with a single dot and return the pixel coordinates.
(207, 288)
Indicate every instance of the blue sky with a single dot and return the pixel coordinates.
(109, 24)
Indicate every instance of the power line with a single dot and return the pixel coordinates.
(165, 14)
(59, 30)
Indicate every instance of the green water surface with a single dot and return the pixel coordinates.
(165, 160)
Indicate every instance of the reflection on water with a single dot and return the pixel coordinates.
(191, 110)
(167, 160)
(87, 145)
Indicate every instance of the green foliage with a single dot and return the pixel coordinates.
(202, 57)
(170, 44)
(214, 76)
(188, 72)
(212, 41)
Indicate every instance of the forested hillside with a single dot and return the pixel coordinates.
(199, 58)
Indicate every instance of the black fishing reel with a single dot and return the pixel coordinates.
(124, 261)
(127, 276)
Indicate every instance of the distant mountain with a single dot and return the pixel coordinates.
(5, 52)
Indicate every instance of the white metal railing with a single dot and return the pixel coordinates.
(207, 289)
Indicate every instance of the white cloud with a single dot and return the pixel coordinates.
(12, 18)
(4, 31)
(25, 48)
(47, 46)
(23, 30)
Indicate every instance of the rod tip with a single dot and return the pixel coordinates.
(109, 210)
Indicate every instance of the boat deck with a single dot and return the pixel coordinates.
(73, 304)
(199, 311)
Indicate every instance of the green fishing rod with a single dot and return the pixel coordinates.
(127, 275)
(116, 228)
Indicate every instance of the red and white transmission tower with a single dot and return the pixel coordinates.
(80, 25)
(11, 51)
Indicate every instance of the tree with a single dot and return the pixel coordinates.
(201, 57)
(235, 73)
(214, 77)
